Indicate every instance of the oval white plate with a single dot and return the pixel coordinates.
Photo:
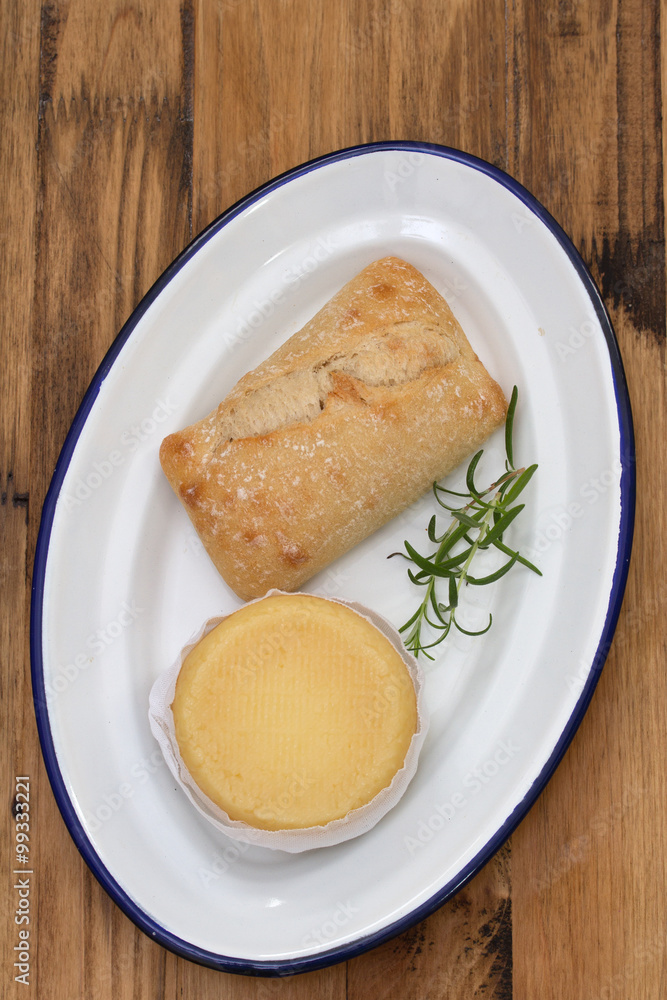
(121, 581)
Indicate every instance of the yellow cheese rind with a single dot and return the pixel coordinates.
(293, 711)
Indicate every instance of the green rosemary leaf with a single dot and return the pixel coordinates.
(481, 631)
(500, 526)
(437, 626)
(455, 560)
(430, 645)
(411, 621)
(466, 519)
(425, 564)
(436, 608)
(447, 506)
(509, 426)
(418, 559)
(453, 592)
(437, 488)
(519, 485)
(470, 474)
(519, 558)
(492, 577)
(431, 530)
(451, 537)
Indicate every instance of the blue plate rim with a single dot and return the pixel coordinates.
(626, 529)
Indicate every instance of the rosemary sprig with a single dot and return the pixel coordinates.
(474, 526)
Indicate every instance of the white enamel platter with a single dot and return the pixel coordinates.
(121, 582)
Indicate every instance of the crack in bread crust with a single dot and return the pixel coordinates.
(392, 357)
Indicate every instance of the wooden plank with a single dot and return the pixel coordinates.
(588, 890)
(19, 86)
(192, 980)
(101, 247)
(115, 140)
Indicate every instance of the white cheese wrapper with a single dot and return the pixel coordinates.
(356, 822)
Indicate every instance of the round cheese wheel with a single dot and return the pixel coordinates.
(293, 712)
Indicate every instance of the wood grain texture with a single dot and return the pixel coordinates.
(114, 171)
(600, 171)
(19, 82)
(127, 127)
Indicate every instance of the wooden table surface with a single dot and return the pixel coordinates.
(127, 126)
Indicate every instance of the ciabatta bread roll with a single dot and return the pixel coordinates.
(345, 425)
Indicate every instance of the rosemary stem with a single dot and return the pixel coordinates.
(483, 530)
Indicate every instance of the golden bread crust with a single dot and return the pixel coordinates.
(344, 426)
